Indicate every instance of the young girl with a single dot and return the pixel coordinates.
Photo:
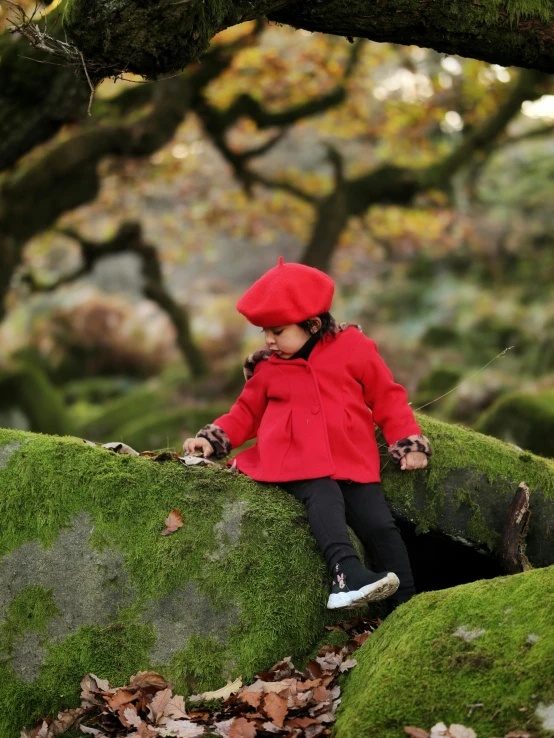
(311, 400)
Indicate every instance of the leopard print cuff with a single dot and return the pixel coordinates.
(410, 443)
(251, 361)
(218, 438)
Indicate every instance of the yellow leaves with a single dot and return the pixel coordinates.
(219, 694)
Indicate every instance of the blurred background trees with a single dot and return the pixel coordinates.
(421, 182)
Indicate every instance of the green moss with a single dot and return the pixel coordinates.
(517, 10)
(523, 418)
(27, 388)
(116, 652)
(415, 671)
(468, 486)
(247, 595)
(136, 404)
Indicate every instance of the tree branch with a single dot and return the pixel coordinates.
(160, 38)
(129, 239)
(527, 86)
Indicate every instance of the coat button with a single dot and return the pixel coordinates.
(315, 410)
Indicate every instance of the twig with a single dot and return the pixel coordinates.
(89, 83)
(465, 380)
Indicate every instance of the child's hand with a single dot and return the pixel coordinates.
(413, 460)
(191, 444)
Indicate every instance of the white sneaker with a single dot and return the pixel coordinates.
(385, 584)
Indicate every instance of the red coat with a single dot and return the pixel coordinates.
(316, 418)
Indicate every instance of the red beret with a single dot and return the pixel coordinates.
(288, 293)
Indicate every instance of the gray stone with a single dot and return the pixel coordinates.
(87, 587)
(227, 530)
(6, 452)
(178, 616)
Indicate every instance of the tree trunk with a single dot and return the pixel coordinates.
(159, 39)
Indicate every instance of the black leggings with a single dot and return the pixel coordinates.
(333, 504)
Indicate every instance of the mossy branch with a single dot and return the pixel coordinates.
(161, 38)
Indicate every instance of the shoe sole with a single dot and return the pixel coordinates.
(379, 590)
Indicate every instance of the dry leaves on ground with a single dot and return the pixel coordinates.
(282, 701)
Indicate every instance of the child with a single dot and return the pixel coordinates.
(311, 399)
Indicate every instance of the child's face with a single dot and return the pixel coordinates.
(285, 340)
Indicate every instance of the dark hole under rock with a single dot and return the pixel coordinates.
(439, 562)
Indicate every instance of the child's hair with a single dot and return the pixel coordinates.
(326, 321)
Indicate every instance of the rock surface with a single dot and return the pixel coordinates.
(481, 655)
(88, 584)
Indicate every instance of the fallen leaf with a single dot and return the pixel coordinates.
(314, 730)
(346, 665)
(157, 706)
(314, 670)
(275, 707)
(91, 687)
(321, 694)
(251, 698)
(121, 697)
(183, 729)
(220, 694)
(301, 722)
(148, 680)
(196, 461)
(120, 448)
(131, 717)
(280, 670)
(461, 731)
(272, 728)
(438, 730)
(43, 730)
(285, 685)
(242, 728)
(93, 731)
(300, 700)
(415, 732)
(65, 720)
(175, 708)
(174, 521)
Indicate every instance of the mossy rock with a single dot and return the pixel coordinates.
(97, 390)
(137, 404)
(468, 486)
(27, 389)
(488, 644)
(523, 418)
(88, 583)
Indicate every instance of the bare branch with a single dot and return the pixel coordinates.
(129, 239)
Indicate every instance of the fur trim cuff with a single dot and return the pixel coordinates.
(410, 443)
(218, 438)
(251, 361)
